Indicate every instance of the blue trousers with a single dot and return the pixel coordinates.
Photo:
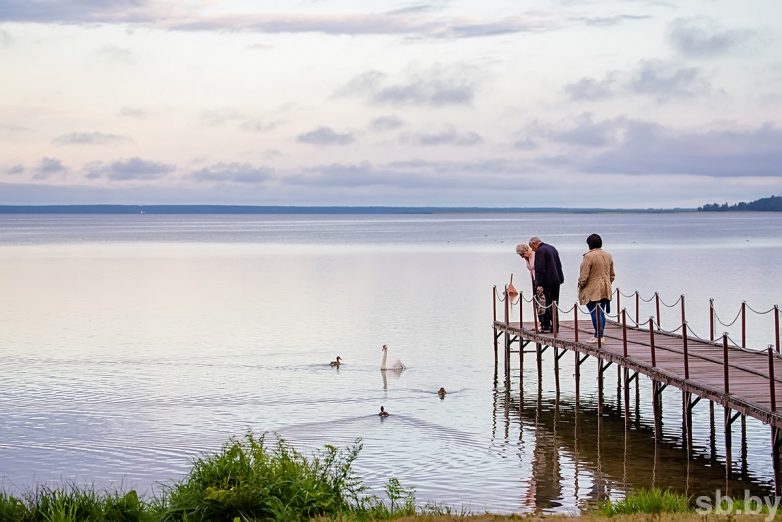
(598, 313)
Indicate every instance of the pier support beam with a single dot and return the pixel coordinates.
(776, 441)
(657, 408)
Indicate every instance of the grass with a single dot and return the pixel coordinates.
(252, 479)
(647, 501)
(248, 480)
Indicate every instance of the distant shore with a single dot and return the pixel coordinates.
(250, 209)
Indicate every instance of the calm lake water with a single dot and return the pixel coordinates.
(132, 344)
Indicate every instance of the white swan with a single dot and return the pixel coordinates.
(397, 365)
(337, 362)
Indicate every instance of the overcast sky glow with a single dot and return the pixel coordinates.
(572, 103)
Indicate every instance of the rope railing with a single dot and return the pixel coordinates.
(633, 320)
(727, 325)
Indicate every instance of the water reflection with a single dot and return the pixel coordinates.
(579, 456)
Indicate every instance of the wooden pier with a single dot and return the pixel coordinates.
(742, 381)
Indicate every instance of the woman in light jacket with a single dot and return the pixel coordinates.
(594, 284)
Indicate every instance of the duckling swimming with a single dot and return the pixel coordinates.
(441, 392)
(337, 362)
(383, 412)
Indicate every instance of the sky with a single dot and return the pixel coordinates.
(497, 103)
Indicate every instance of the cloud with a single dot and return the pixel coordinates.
(608, 21)
(325, 136)
(589, 89)
(385, 123)
(89, 138)
(660, 79)
(447, 137)
(242, 173)
(49, 167)
(133, 112)
(642, 147)
(663, 79)
(15, 170)
(133, 169)
(587, 132)
(259, 125)
(438, 87)
(704, 37)
(222, 116)
(75, 11)
(116, 54)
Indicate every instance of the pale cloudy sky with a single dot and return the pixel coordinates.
(381, 102)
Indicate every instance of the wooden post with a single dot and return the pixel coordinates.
(657, 308)
(599, 386)
(651, 341)
(711, 319)
(521, 310)
(686, 353)
(556, 370)
(627, 396)
(727, 417)
(555, 320)
(618, 303)
(774, 430)
(725, 372)
(743, 324)
(624, 332)
(575, 319)
(578, 376)
(637, 309)
(493, 324)
(656, 411)
(507, 335)
(776, 326)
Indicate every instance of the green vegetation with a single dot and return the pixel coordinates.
(648, 501)
(247, 480)
(773, 203)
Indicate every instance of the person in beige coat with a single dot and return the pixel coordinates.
(594, 284)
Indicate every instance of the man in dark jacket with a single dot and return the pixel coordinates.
(549, 276)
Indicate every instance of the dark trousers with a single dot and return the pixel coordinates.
(552, 299)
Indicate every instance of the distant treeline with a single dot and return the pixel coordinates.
(772, 203)
(251, 209)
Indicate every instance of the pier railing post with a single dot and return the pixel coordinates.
(507, 307)
(776, 326)
(618, 303)
(771, 384)
(728, 434)
(637, 309)
(684, 318)
(743, 324)
(494, 324)
(624, 332)
(774, 430)
(711, 319)
(651, 341)
(555, 319)
(575, 321)
(521, 309)
(494, 302)
(657, 309)
(725, 372)
(686, 354)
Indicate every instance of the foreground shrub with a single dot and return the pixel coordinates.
(247, 480)
(251, 480)
(652, 501)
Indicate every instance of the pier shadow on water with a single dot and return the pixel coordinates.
(580, 457)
